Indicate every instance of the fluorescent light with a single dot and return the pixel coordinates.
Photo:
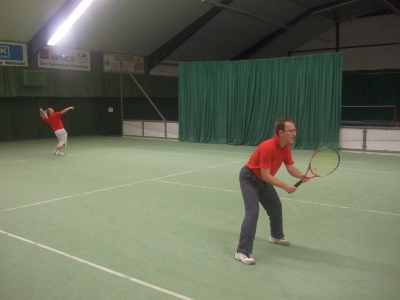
(63, 29)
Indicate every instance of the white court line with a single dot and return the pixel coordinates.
(98, 266)
(21, 160)
(112, 149)
(199, 150)
(371, 171)
(38, 203)
(137, 148)
(155, 179)
(203, 187)
(46, 157)
(150, 138)
(197, 186)
(181, 154)
(381, 212)
(176, 140)
(293, 152)
(300, 201)
(344, 207)
(116, 187)
(371, 152)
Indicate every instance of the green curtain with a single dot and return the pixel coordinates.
(238, 102)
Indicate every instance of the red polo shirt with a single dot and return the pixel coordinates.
(55, 121)
(270, 155)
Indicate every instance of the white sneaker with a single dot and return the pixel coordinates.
(59, 153)
(248, 260)
(282, 241)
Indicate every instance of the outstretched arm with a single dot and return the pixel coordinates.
(67, 109)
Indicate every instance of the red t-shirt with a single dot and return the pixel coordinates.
(270, 155)
(55, 121)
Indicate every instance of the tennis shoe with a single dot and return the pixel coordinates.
(282, 241)
(59, 153)
(246, 259)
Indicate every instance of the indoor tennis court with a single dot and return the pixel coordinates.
(136, 218)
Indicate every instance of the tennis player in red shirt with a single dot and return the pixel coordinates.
(54, 119)
(257, 180)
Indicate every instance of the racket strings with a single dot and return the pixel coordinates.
(324, 162)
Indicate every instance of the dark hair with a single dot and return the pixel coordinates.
(280, 125)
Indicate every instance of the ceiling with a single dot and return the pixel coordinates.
(184, 30)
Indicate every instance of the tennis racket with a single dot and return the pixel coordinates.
(44, 113)
(323, 162)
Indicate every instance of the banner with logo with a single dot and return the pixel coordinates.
(64, 58)
(111, 63)
(13, 54)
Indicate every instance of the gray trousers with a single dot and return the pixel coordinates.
(253, 191)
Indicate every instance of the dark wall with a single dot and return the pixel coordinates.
(92, 93)
(371, 88)
(141, 109)
(20, 118)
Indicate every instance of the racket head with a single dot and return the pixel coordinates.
(324, 162)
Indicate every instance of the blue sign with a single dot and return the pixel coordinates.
(11, 52)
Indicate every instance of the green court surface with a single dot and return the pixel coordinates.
(135, 218)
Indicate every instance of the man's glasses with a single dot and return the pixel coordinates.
(291, 130)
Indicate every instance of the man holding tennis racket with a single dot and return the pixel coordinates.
(54, 119)
(257, 181)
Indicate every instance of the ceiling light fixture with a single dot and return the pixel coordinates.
(65, 26)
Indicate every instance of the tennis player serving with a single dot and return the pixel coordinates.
(54, 119)
(257, 180)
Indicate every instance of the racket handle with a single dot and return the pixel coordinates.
(298, 183)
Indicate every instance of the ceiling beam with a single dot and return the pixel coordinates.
(249, 52)
(217, 4)
(161, 53)
(332, 6)
(391, 7)
(362, 14)
(39, 40)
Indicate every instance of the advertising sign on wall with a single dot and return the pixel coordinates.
(111, 63)
(13, 54)
(64, 58)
